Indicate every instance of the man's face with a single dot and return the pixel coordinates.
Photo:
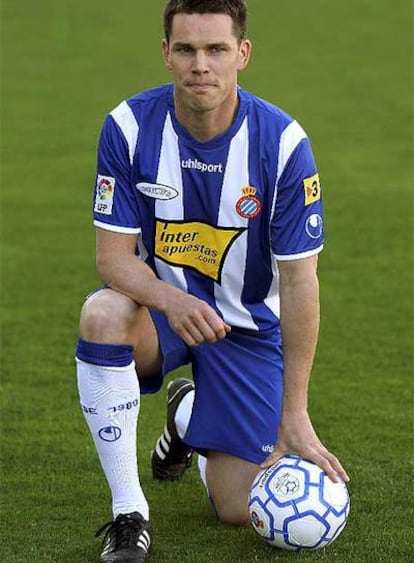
(204, 57)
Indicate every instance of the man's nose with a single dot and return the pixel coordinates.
(200, 64)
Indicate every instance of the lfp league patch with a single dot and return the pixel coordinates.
(104, 198)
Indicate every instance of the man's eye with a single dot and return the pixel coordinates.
(184, 49)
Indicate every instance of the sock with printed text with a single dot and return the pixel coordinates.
(110, 400)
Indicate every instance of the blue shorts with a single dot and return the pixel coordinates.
(238, 383)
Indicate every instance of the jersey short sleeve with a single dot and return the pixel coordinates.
(115, 203)
(297, 223)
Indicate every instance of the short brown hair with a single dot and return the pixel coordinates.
(236, 9)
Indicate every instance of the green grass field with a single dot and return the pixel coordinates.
(344, 70)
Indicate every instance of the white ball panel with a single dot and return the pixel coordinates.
(279, 541)
(280, 514)
(335, 494)
(306, 531)
(311, 502)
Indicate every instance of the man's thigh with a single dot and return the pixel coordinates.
(238, 398)
(229, 480)
(173, 352)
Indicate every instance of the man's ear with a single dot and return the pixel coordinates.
(166, 53)
(245, 51)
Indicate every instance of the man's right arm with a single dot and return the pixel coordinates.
(120, 269)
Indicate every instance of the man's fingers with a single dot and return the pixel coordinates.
(216, 324)
(195, 321)
(324, 463)
(207, 324)
(329, 463)
(200, 331)
(272, 458)
(187, 337)
(266, 463)
(337, 467)
(195, 333)
(323, 459)
(211, 331)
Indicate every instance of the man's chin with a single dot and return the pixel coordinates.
(202, 103)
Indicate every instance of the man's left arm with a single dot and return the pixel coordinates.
(299, 317)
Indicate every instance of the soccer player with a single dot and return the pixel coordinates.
(209, 221)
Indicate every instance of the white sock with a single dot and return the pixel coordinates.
(202, 466)
(182, 420)
(183, 414)
(110, 401)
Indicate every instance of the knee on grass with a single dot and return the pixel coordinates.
(231, 514)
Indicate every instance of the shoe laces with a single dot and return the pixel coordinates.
(121, 531)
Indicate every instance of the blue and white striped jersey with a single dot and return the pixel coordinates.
(214, 217)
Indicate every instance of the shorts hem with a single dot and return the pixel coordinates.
(203, 449)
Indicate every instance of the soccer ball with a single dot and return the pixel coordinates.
(294, 505)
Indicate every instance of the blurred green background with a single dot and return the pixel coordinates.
(345, 71)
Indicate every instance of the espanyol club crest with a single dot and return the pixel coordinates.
(249, 206)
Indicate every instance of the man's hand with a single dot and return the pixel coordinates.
(297, 436)
(194, 320)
